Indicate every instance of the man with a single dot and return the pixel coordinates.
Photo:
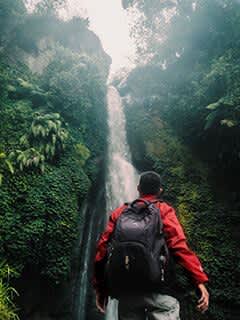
(154, 305)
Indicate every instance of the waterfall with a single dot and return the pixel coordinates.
(81, 312)
(122, 178)
(88, 234)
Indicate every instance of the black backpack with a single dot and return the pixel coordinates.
(137, 252)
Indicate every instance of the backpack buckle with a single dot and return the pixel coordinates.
(127, 262)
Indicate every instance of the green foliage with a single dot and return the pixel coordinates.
(54, 128)
(26, 89)
(47, 134)
(45, 140)
(206, 218)
(5, 165)
(226, 72)
(11, 14)
(191, 79)
(77, 91)
(48, 7)
(67, 78)
(190, 88)
(7, 308)
(6, 272)
(39, 215)
(29, 158)
(83, 152)
(51, 133)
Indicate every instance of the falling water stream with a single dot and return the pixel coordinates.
(84, 276)
(121, 180)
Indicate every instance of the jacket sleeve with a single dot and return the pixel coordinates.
(177, 243)
(101, 251)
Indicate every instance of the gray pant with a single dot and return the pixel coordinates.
(152, 306)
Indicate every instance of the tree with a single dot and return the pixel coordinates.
(45, 7)
(12, 13)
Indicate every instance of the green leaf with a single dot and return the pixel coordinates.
(213, 106)
(211, 119)
(42, 167)
(2, 155)
(10, 166)
(229, 123)
(36, 161)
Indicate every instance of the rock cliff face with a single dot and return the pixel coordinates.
(37, 48)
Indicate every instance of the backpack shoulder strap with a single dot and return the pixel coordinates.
(146, 202)
(160, 218)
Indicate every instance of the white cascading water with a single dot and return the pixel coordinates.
(81, 312)
(122, 178)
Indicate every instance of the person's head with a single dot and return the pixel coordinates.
(149, 183)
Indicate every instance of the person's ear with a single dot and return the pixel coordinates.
(160, 191)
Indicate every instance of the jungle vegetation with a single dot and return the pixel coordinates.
(183, 117)
(52, 141)
(182, 107)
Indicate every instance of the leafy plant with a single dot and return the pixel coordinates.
(7, 307)
(41, 217)
(45, 140)
(83, 152)
(29, 158)
(5, 165)
(46, 134)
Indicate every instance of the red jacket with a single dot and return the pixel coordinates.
(175, 237)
